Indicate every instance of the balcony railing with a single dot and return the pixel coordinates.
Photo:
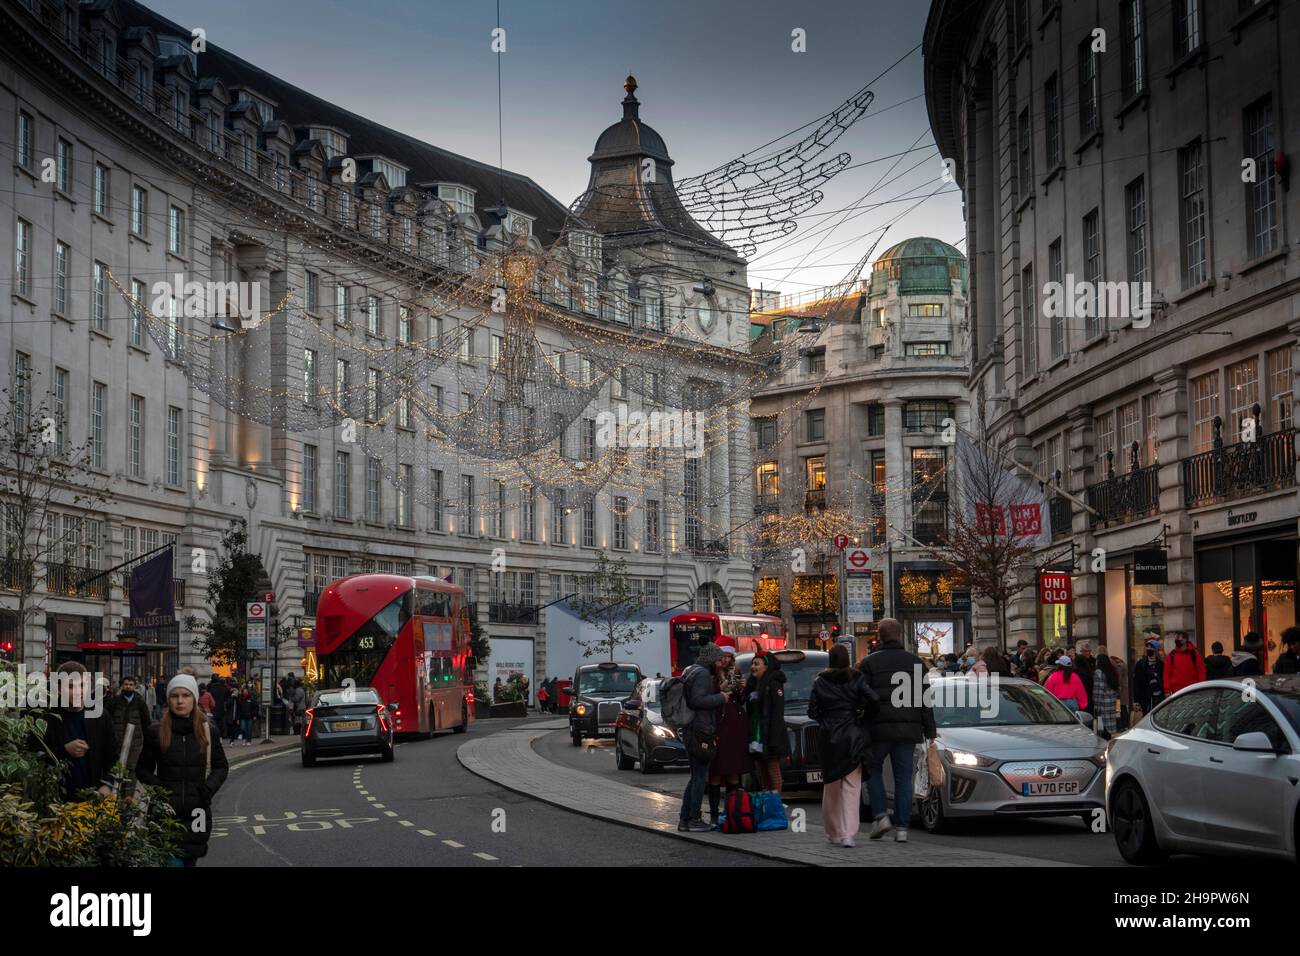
(1121, 498)
(310, 601)
(715, 550)
(178, 592)
(67, 580)
(500, 612)
(766, 504)
(16, 575)
(1244, 468)
(1062, 515)
(814, 498)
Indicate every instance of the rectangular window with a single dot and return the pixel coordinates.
(23, 258)
(1028, 325)
(924, 349)
(25, 140)
(310, 377)
(875, 420)
(589, 523)
(341, 305)
(1151, 427)
(62, 257)
(312, 290)
(372, 314)
(1055, 273)
(559, 518)
(22, 393)
(929, 494)
(467, 504)
(342, 384)
(466, 344)
(137, 313)
(135, 437)
(372, 395)
(1133, 69)
(63, 165)
(404, 406)
(101, 189)
(173, 327)
(925, 310)
(1089, 90)
(652, 526)
(438, 493)
(1187, 27)
(1025, 141)
(528, 514)
(1243, 395)
(1277, 366)
(1103, 428)
(404, 478)
(498, 344)
(139, 210)
(498, 508)
(926, 415)
(1130, 434)
(61, 411)
(619, 516)
(1092, 272)
(816, 361)
(374, 490)
(310, 475)
(588, 433)
(404, 325)
(1052, 123)
(1261, 195)
(1204, 394)
(342, 484)
(1135, 205)
(175, 231)
(815, 424)
(1191, 220)
(98, 393)
(175, 429)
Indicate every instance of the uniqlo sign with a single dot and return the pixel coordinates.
(1054, 588)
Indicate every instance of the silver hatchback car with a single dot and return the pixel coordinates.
(1020, 753)
(1213, 769)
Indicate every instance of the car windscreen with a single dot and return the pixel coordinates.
(1289, 704)
(962, 702)
(609, 683)
(334, 698)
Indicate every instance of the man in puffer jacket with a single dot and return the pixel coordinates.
(905, 718)
(182, 752)
(1184, 666)
(700, 737)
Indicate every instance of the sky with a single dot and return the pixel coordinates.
(717, 79)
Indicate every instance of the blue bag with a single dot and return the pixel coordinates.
(770, 812)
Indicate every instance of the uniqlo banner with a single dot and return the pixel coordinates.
(1054, 587)
(997, 499)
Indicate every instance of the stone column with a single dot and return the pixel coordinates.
(1175, 444)
(1078, 475)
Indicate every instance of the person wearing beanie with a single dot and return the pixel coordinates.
(1288, 662)
(701, 682)
(183, 753)
(1067, 685)
(1247, 661)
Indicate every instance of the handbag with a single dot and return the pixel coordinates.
(920, 772)
(699, 745)
(934, 764)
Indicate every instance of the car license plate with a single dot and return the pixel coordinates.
(814, 776)
(1049, 788)
(606, 728)
(347, 725)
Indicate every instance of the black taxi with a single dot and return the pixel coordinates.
(598, 694)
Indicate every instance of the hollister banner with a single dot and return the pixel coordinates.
(1151, 566)
(151, 593)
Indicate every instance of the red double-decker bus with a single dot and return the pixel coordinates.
(747, 633)
(407, 637)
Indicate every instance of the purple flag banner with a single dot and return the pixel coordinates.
(151, 593)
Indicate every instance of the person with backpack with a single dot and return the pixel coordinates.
(1218, 664)
(690, 705)
(1184, 666)
(183, 753)
(1068, 685)
(903, 721)
(841, 702)
(769, 741)
(732, 758)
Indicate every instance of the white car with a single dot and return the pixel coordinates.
(1213, 769)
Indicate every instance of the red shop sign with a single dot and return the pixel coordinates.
(1054, 587)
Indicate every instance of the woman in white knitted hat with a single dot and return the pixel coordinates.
(182, 752)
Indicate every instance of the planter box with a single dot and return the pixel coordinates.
(516, 709)
(482, 709)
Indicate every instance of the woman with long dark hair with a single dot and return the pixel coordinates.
(1105, 696)
(842, 702)
(182, 752)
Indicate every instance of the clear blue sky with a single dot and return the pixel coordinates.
(717, 79)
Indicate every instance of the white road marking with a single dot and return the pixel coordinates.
(454, 845)
(390, 813)
(426, 833)
(485, 856)
(406, 823)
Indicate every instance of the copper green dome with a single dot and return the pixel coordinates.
(920, 265)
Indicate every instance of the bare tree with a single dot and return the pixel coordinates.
(613, 607)
(996, 527)
(48, 492)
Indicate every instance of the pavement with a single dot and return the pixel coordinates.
(237, 754)
(509, 760)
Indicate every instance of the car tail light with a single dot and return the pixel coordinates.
(311, 716)
(379, 711)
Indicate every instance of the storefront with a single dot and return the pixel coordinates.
(1055, 608)
(1132, 600)
(1247, 583)
(933, 605)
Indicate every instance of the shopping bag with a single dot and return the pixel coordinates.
(934, 763)
(770, 812)
(920, 773)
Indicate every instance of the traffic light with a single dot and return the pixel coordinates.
(7, 651)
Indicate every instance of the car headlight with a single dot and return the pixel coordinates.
(962, 758)
(1099, 758)
(581, 710)
(659, 730)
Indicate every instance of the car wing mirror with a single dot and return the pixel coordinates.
(1254, 742)
(631, 704)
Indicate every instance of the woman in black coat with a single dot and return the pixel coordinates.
(841, 703)
(764, 697)
(182, 752)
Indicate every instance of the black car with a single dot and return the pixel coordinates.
(640, 735)
(347, 721)
(598, 694)
(803, 767)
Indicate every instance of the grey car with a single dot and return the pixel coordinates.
(1212, 769)
(1020, 753)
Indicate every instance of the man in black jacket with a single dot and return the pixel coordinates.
(705, 701)
(905, 718)
(83, 745)
(1288, 662)
(128, 708)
